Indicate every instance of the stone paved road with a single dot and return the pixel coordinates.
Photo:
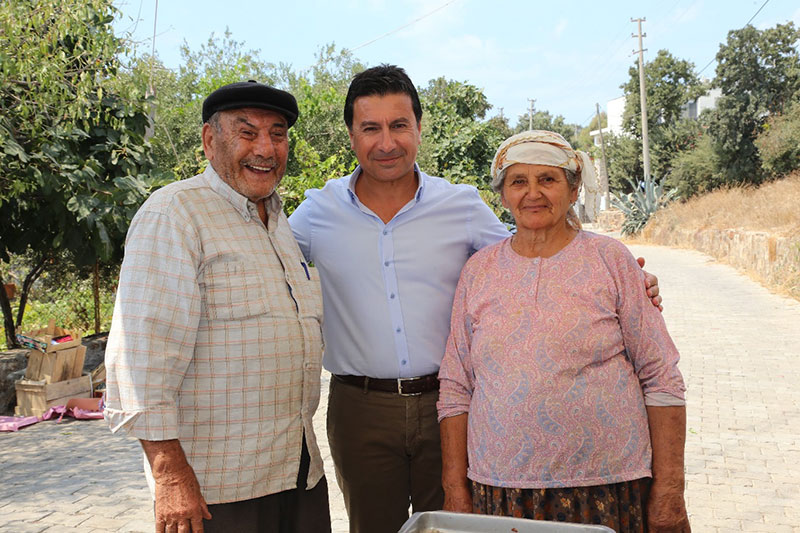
(740, 356)
(77, 477)
(740, 349)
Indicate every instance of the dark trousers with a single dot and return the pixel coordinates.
(387, 453)
(291, 511)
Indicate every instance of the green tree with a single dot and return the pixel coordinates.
(319, 143)
(178, 95)
(544, 120)
(75, 164)
(696, 170)
(584, 141)
(670, 83)
(758, 72)
(625, 165)
(779, 142)
(458, 142)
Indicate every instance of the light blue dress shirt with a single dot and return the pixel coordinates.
(387, 289)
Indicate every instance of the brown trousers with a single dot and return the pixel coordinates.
(291, 511)
(387, 454)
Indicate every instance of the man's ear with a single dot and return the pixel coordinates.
(352, 143)
(208, 134)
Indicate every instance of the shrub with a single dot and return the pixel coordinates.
(779, 142)
(696, 171)
(647, 197)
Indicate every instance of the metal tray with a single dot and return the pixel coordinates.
(446, 522)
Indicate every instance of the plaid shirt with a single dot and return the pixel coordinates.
(216, 339)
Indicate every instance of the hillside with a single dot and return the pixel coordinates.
(756, 229)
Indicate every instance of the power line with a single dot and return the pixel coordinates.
(757, 12)
(403, 26)
(748, 22)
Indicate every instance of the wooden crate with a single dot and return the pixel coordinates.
(55, 366)
(36, 397)
(39, 339)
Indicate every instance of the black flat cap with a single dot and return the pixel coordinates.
(250, 94)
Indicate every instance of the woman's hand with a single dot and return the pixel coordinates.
(458, 499)
(666, 510)
(457, 494)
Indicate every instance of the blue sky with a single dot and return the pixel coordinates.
(566, 55)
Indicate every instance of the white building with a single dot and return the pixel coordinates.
(616, 107)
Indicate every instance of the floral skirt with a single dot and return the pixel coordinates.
(620, 506)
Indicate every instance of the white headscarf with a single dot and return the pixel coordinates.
(540, 147)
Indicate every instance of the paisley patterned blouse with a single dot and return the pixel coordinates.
(554, 360)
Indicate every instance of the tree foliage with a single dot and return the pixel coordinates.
(779, 142)
(758, 72)
(75, 165)
(319, 143)
(670, 83)
(177, 95)
(544, 120)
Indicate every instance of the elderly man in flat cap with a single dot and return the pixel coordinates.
(215, 347)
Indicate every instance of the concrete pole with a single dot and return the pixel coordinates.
(643, 98)
(605, 161)
(530, 114)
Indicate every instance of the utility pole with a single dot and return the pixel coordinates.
(605, 161)
(643, 98)
(530, 114)
(501, 114)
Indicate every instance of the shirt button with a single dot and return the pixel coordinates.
(403, 361)
(385, 232)
(386, 263)
(398, 330)
(391, 296)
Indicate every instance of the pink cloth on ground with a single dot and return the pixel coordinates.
(15, 423)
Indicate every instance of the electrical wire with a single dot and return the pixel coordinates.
(748, 22)
(403, 26)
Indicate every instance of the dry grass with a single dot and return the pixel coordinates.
(771, 208)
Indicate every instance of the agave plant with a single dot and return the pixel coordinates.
(647, 197)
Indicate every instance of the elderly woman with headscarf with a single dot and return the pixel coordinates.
(560, 393)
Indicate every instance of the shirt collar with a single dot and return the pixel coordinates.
(243, 205)
(351, 184)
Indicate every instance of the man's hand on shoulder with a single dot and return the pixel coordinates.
(180, 506)
(651, 285)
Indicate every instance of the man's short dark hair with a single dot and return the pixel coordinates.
(381, 80)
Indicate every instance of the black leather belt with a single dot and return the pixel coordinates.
(401, 386)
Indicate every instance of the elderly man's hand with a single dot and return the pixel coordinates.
(651, 284)
(180, 507)
(666, 510)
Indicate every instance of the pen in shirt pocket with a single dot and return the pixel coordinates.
(305, 267)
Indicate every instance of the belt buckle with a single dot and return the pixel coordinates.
(400, 387)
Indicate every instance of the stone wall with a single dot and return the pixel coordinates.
(12, 368)
(776, 260)
(610, 220)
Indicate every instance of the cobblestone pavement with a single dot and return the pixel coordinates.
(739, 345)
(75, 476)
(740, 348)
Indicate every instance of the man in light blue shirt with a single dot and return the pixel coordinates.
(389, 243)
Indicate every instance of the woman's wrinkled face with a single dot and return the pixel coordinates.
(538, 196)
